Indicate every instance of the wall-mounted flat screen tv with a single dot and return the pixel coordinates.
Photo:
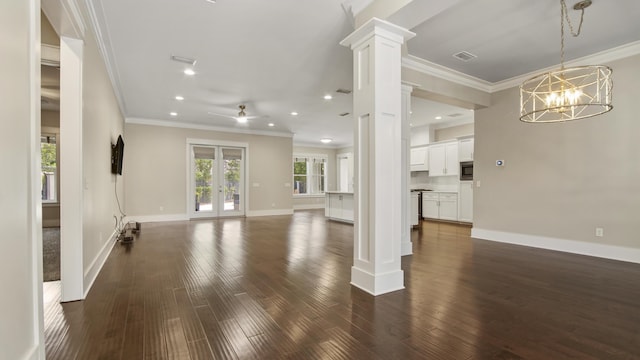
(117, 153)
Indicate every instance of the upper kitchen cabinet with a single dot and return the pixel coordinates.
(465, 149)
(443, 159)
(420, 158)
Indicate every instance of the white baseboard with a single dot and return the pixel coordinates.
(377, 284)
(157, 218)
(308, 206)
(571, 246)
(91, 273)
(273, 212)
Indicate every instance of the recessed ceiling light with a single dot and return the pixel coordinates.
(189, 72)
(328, 97)
(326, 140)
(173, 113)
(179, 98)
(211, 1)
(271, 124)
(294, 113)
(438, 117)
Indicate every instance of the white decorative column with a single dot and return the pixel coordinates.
(377, 110)
(406, 246)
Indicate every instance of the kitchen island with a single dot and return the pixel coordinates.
(339, 206)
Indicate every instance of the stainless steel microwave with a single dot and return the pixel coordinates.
(466, 170)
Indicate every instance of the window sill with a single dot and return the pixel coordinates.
(308, 195)
(50, 204)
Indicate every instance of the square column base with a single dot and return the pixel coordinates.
(377, 284)
(406, 248)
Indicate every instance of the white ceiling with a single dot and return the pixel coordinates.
(282, 56)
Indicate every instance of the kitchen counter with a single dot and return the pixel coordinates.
(339, 206)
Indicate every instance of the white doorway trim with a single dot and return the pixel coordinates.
(71, 174)
(218, 143)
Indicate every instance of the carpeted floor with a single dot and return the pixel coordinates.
(51, 254)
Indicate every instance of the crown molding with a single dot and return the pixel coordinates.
(616, 53)
(175, 124)
(50, 55)
(96, 19)
(427, 67)
(442, 72)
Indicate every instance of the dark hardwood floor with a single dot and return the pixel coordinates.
(278, 288)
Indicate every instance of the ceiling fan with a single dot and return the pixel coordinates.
(242, 117)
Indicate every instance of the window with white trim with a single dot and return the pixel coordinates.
(309, 174)
(49, 168)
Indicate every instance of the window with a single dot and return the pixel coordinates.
(309, 174)
(49, 168)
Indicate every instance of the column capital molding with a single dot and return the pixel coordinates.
(379, 27)
(406, 88)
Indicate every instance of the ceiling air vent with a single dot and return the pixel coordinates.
(344, 114)
(464, 56)
(454, 115)
(183, 59)
(343, 91)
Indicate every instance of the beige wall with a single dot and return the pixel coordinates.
(453, 132)
(102, 122)
(562, 180)
(302, 202)
(20, 128)
(155, 168)
(49, 35)
(50, 119)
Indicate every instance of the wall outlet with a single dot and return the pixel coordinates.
(287, 184)
(273, 204)
(599, 232)
(256, 184)
(161, 208)
(477, 183)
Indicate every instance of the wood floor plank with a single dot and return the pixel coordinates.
(278, 287)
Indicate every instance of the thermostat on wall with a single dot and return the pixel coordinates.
(499, 162)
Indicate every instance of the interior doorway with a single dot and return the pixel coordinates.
(216, 181)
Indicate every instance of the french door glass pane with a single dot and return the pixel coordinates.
(204, 172)
(232, 165)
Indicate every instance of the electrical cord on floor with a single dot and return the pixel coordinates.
(120, 226)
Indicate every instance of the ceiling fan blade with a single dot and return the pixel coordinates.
(221, 115)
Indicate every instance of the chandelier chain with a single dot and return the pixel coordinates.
(565, 16)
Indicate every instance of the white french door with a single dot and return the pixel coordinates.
(216, 181)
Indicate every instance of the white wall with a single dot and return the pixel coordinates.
(20, 216)
(561, 181)
(155, 169)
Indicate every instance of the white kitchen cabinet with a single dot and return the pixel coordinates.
(465, 211)
(440, 205)
(443, 159)
(465, 149)
(419, 159)
(430, 205)
(448, 203)
(339, 206)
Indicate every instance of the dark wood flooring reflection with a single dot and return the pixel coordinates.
(278, 288)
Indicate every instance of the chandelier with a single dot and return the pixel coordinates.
(567, 93)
